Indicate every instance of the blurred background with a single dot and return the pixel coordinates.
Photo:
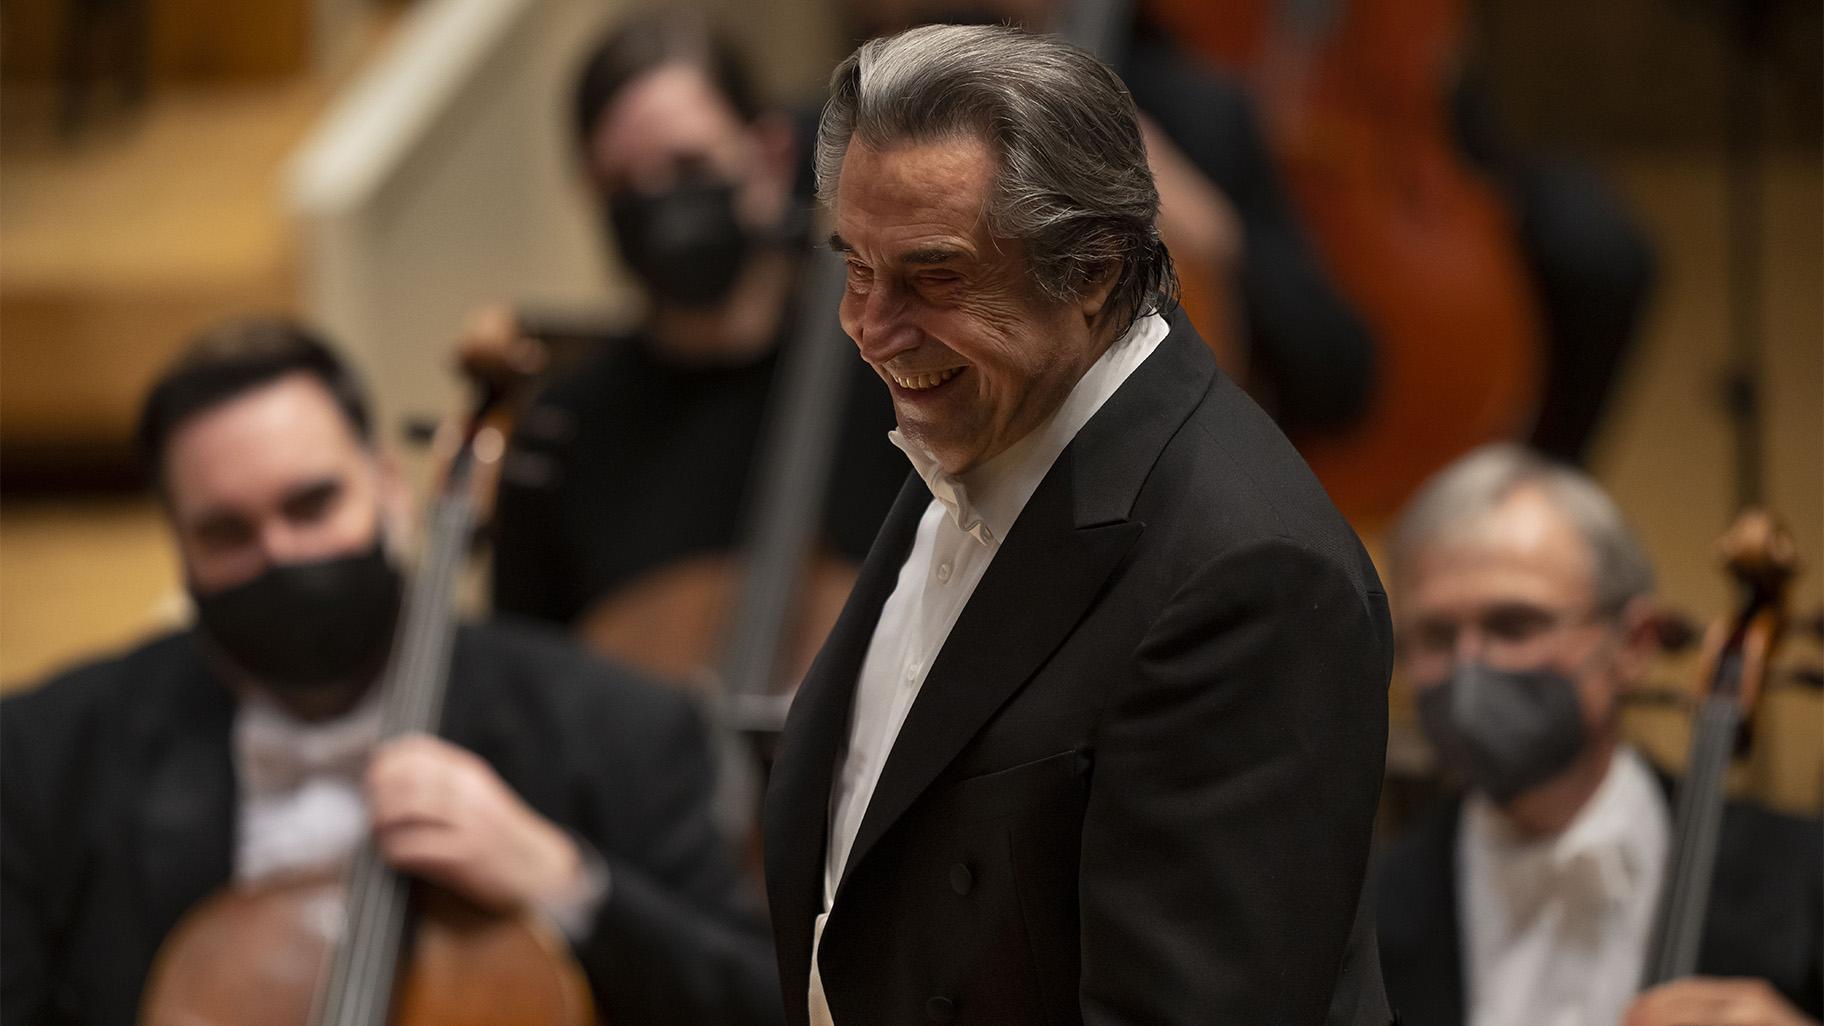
(385, 168)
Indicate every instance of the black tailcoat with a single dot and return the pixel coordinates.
(1139, 780)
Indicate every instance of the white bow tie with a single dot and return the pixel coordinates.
(278, 754)
(1593, 879)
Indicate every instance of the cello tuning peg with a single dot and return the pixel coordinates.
(1674, 631)
(1759, 550)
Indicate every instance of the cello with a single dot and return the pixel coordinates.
(260, 953)
(1737, 653)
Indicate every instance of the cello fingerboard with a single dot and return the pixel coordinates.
(1699, 815)
(359, 988)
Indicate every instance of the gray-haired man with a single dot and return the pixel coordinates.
(1525, 609)
(1099, 735)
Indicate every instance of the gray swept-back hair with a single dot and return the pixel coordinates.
(1460, 494)
(1073, 183)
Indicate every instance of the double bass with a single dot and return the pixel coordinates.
(1354, 96)
(371, 947)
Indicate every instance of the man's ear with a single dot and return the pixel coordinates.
(1639, 640)
(1096, 292)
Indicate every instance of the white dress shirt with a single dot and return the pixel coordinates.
(1555, 930)
(301, 802)
(957, 539)
(303, 807)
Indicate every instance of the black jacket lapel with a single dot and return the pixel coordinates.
(798, 792)
(1421, 947)
(1001, 638)
(1071, 535)
(187, 806)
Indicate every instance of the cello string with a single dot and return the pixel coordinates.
(416, 689)
(1672, 901)
(370, 901)
(363, 973)
(1700, 811)
(1704, 859)
(1702, 779)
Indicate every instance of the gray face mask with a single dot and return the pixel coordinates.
(1503, 731)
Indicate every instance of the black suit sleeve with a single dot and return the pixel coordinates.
(24, 946)
(1226, 838)
(679, 938)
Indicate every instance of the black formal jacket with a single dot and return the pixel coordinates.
(1138, 782)
(119, 809)
(1764, 919)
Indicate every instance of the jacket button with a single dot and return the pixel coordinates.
(962, 881)
(940, 1009)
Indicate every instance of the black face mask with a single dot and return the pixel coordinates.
(1503, 731)
(301, 625)
(685, 243)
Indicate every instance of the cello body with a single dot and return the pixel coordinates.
(1355, 97)
(259, 954)
(369, 946)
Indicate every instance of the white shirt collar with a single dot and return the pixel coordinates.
(985, 501)
(277, 752)
(1601, 856)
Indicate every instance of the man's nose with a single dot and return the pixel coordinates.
(1471, 646)
(281, 543)
(884, 331)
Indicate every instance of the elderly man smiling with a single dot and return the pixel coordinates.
(1099, 735)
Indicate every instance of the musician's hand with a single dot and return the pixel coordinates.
(494, 350)
(442, 813)
(1710, 1001)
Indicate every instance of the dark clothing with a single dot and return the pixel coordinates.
(632, 462)
(120, 806)
(1138, 782)
(1592, 265)
(1310, 349)
(1764, 916)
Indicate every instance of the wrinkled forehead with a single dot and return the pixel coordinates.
(246, 453)
(936, 192)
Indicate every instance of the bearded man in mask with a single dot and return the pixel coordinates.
(644, 455)
(1523, 611)
(247, 747)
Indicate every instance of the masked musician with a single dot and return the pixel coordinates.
(642, 457)
(1523, 607)
(244, 748)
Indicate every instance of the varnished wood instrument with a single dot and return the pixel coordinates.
(1354, 95)
(1205, 276)
(1760, 555)
(395, 952)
